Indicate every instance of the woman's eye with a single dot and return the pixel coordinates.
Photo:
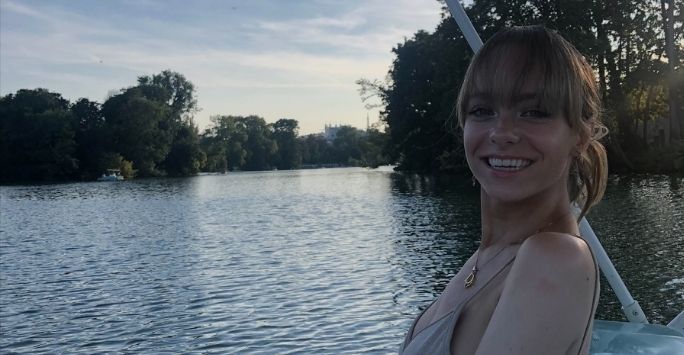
(534, 114)
(481, 112)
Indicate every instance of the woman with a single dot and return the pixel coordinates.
(529, 108)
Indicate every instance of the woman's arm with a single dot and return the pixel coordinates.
(548, 299)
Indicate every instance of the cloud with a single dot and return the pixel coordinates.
(372, 28)
(326, 46)
(21, 9)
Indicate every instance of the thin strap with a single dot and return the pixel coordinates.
(410, 336)
(593, 300)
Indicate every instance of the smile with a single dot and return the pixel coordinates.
(507, 164)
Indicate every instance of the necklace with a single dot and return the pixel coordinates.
(470, 280)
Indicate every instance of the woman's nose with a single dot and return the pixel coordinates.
(504, 132)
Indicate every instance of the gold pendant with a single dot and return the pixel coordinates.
(470, 280)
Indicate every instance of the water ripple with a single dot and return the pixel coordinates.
(325, 261)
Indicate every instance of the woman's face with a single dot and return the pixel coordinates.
(517, 150)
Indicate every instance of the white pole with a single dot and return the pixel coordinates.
(463, 21)
(630, 306)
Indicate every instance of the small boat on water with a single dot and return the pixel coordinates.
(111, 175)
(636, 336)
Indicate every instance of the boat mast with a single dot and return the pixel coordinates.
(463, 21)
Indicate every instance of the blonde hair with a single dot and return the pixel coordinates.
(518, 56)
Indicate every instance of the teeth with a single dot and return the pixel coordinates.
(508, 164)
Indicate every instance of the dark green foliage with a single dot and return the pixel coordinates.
(145, 130)
(374, 149)
(622, 39)
(141, 129)
(243, 142)
(185, 157)
(151, 125)
(260, 146)
(351, 147)
(37, 137)
(285, 133)
(664, 159)
(216, 159)
(420, 98)
(316, 150)
(172, 89)
(224, 143)
(92, 139)
(346, 147)
(248, 143)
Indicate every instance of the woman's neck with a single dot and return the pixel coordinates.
(512, 222)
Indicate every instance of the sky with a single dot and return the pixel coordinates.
(272, 58)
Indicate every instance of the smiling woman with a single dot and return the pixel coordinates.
(538, 77)
(529, 108)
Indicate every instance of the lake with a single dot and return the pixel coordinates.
(309, 261)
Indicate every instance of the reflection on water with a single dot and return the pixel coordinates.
(437, 229)
(320, 261)
(641, 225)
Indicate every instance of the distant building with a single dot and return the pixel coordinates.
(330, 132)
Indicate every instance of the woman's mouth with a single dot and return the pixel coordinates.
(507, 164)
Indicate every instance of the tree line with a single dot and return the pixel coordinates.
(249, 143)
(148, 130)
(635, 47)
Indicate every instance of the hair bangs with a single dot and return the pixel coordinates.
(520, 64)
(531, 61)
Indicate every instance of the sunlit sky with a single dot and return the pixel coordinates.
(273, 58)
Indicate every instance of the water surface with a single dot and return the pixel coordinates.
(311, 261)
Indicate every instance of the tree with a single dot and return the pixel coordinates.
(151, 125)
(92, 139)
(315, 150)
(623, 39)
(37, 137)
(246, 142)
(419, 96)
(374, 148)
(215, 153)
(350, 147)
(260, 146)
(173, 89)
(347, 146)
(676, 123)
(285, 133)
(185, 156)
(225, 141)
(139, 129)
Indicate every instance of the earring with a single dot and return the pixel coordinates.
(474, 180)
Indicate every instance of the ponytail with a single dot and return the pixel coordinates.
(590, 172)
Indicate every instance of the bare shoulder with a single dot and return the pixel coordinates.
(548, 298)
(546, 253)
(557, 269)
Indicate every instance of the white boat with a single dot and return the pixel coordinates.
(636, 336)
(111, 175)
(613, 338)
